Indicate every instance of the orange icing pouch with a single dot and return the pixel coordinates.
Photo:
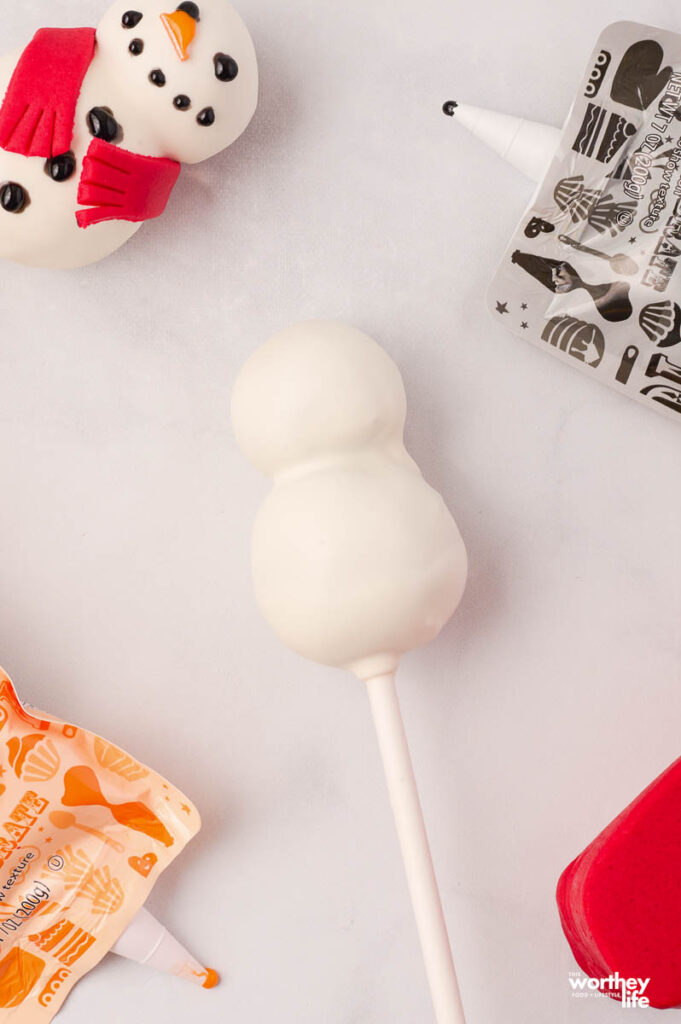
(85, 831)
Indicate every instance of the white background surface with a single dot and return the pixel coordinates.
(125, 605)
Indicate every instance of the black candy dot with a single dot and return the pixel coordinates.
(131, 18)
(13, 197)
(136, 47)
(62, 167)
(182, 102)
(206, 117)
(226, 68)
(102, 124)
(157, 77)
(191, 9)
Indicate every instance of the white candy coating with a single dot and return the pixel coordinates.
(355, 558)
(46, 234)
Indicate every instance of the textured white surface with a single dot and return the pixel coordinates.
(124, 594)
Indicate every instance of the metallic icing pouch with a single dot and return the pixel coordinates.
(85, 831)
(591, 274)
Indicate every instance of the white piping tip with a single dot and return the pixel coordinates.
(527, 145)
(146, 941)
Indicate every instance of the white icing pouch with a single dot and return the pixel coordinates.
(592, 273)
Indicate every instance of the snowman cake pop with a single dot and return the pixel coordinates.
(95, 124)
(355, 559)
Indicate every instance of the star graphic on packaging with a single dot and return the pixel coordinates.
(524, 305)
(502, 307)
(524, 325)
(632, 241)
(186, 809)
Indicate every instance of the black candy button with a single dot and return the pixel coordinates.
(206, 117)
(136, 47)
(61, 168)
(156, 77)
(226, 68)
(13, 197)
(102, 124)
(182, 102)
(131, 18)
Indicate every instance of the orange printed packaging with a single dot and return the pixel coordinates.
(85, 831)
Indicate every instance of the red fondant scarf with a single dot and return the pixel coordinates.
(39, 110)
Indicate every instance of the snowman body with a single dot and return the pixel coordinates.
(355, 558)
(148, 122)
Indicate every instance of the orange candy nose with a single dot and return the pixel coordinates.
(181, 28)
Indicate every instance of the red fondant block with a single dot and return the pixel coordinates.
(620, 900)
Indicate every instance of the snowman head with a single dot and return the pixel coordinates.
(317, 390)
(190, 71)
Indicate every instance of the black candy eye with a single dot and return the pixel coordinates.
(62, 167)
(13, 198)
(206, 117)
(182, 102)
(157, 77)
(191, 9)
(131, 18)
(102, 124)
(226, 68)
(136, 47)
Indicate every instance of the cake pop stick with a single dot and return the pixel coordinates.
(418, 862)
(528, 145)
(147, 941)
(355, 559)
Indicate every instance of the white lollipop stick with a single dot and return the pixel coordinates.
(146, 941)
(418, 863)
(527, 145)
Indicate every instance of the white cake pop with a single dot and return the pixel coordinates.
(355, 559)
(83, 109)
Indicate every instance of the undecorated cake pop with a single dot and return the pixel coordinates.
(356, 559)
(95, 124)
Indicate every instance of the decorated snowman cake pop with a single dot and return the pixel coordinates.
(355, 559)
(95, 123)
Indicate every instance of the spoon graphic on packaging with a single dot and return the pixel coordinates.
(63, 820)
(619, 262)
